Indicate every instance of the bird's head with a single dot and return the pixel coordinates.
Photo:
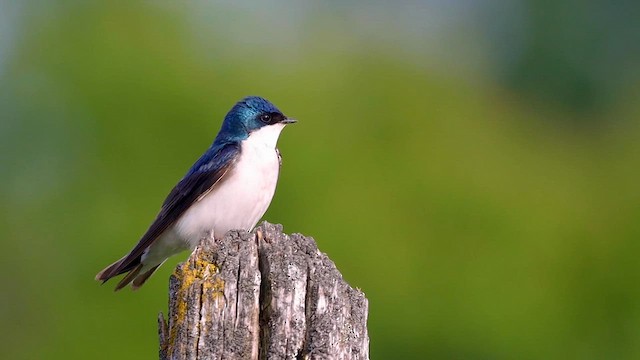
(250, 115)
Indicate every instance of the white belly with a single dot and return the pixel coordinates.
(240, 200)
(237, 202)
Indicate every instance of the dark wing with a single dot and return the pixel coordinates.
(203, 176)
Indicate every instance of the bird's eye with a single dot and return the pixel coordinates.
(265, 118)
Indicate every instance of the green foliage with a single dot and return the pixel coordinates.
(480, 224)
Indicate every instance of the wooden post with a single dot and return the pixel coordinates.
(262, 295)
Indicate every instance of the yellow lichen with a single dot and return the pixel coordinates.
(192, 271)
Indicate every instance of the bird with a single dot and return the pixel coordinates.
(229, 187)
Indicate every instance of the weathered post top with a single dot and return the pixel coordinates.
(262, 295)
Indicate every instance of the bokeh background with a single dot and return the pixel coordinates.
(474, 167)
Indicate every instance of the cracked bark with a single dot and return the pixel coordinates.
(262, 295)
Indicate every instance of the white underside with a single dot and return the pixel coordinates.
(236, 203)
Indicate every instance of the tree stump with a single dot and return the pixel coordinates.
(262, 295)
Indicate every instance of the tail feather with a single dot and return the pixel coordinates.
(120, 267)
(117, 268)
(110, 271)
(133, 273)
(141, 279)
(129, 277)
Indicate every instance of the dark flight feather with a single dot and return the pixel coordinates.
(208, 171)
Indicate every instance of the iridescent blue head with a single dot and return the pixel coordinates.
(248, 115)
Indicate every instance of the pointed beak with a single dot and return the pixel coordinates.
(289, 121)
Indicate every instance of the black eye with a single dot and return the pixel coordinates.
(265, 118)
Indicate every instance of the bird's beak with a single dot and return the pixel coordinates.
(289, 121)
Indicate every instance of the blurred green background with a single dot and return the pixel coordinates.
(472, 166)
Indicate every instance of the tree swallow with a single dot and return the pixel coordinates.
(229, 187)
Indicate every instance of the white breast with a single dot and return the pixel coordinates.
(240, 200)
